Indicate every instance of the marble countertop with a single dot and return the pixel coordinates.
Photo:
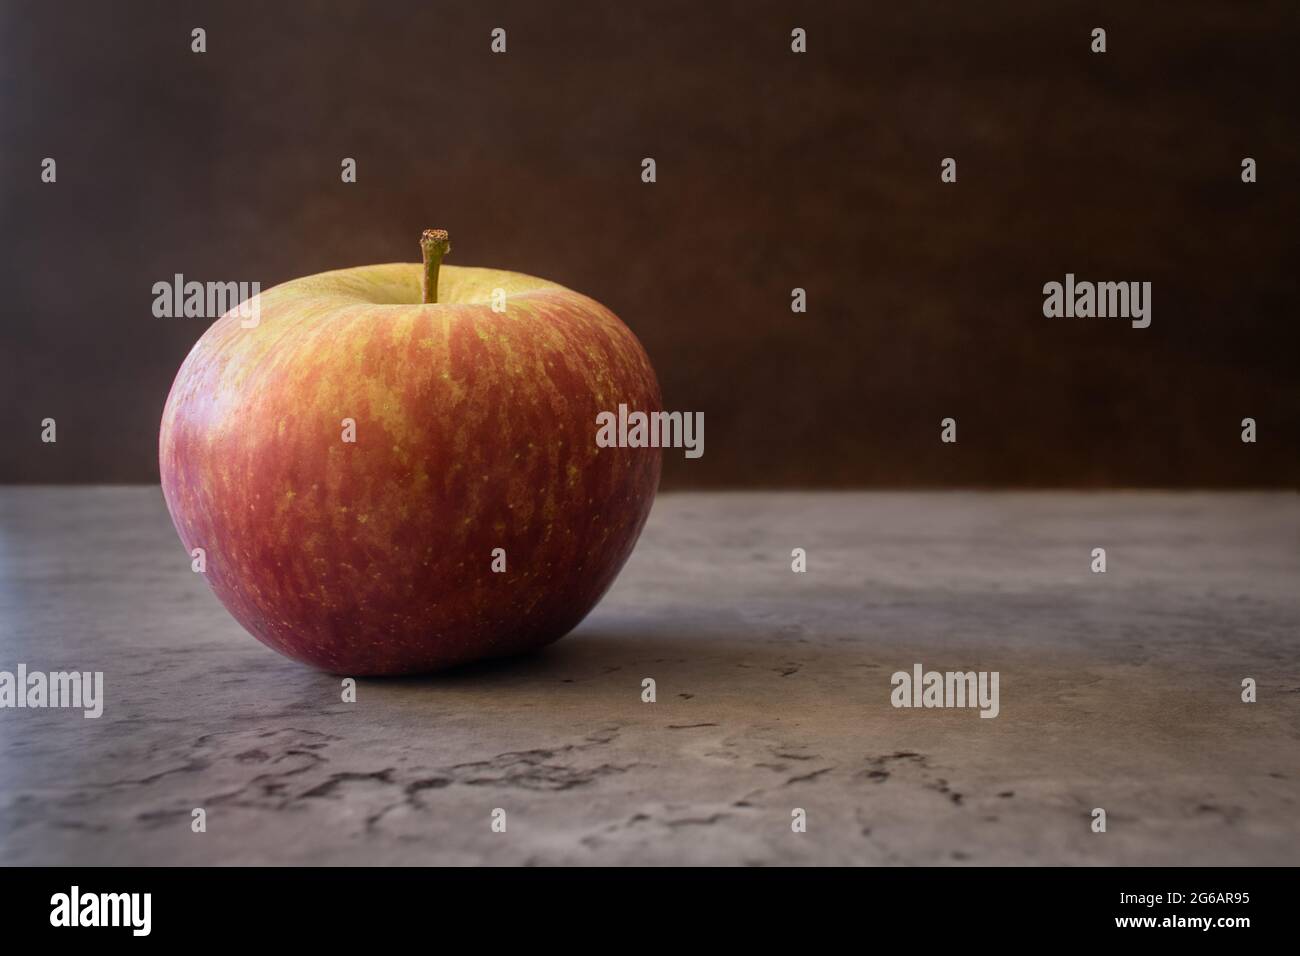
(1119, 690)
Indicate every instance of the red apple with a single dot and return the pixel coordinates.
(474, 431)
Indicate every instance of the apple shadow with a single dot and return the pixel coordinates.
(708, 649)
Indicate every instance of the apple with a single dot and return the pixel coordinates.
(394, 469)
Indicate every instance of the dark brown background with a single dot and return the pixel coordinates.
(775, 171)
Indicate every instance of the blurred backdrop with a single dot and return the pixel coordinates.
(775, 171)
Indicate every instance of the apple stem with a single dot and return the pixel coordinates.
(434, 244)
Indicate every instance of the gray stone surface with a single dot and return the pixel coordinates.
(1118, 690)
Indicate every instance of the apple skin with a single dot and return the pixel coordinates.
(475, 430)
